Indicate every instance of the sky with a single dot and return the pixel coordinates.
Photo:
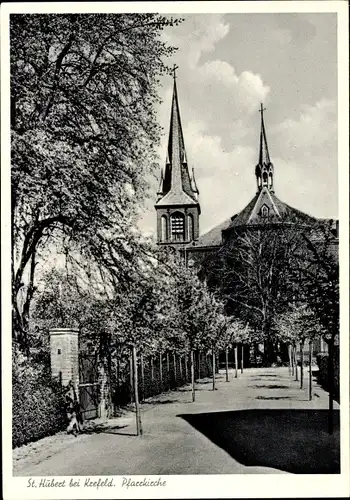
(228, 64)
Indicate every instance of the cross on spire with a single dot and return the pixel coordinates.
(262, 109)
(173, 71)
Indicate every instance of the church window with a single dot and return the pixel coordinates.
(270, 180)
(177, 223)
(190, 235)
(164, 228)
(264, 211)
(264, 178)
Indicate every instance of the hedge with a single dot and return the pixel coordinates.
(37, 410)
(322, 362)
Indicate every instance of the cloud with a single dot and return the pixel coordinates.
(198, 34)
(215, 92)
(315, 127)
(305, 153)
(226, 180)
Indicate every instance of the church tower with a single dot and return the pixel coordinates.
(177, 204)
(264, 169)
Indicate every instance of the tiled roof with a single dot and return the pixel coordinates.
(288, 214)
(212, 237)
(176, 198)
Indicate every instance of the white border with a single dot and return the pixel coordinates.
(214, 486)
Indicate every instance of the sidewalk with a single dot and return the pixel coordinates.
(261, 422)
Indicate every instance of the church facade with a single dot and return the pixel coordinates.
(178, 208)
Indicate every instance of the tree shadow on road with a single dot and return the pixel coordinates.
(294, 441)
(273, 398)
(106, 429)
(270, 387)
(161, 402)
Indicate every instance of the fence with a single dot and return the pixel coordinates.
(156, 374)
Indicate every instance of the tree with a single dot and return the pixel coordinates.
(296, 325)
(318, 282)
(198, 312)
(253, 272)
(83, 136)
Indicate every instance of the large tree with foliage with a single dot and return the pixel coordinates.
(252, 273)
(83, 125)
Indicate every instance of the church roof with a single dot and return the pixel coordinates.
(176, 198)
(176, 187)
(251, 215)
(214, 236)
(276, 211)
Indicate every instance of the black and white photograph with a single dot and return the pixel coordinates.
(174, 223)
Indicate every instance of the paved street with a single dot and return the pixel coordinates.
(261, 422)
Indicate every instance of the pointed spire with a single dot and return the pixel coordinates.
(160, 189)
(264, 157)
(194, 184)
(264, 170)
(161, 186)
(177, 183)
(176, 148)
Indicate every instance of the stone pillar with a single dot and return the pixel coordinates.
(103, 380)
(64, 355)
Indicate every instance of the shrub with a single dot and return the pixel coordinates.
(37, 404)
(322, 362)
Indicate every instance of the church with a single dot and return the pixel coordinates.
(178, 208)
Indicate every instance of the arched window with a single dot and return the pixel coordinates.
(177, 226)
(264, 211)
(190, 235)
(270, 179)
(265, 178)
(164, 228)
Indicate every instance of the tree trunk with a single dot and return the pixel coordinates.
(118, 370)
(242, 358)
(161, 370)
(186, 367)
(175, 374)
(142, 376)
(213, 358)
(236, 361)
(192, 377)
(180, 368)
(301, 365)
(199, 363)
(136, 393)
(310, 371)
(168, 371)
(330, 385)
(296, 364)
(290, 360)
(226, 362)
(131, 380)
(152, 369)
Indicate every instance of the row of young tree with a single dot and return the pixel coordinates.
(164, 308)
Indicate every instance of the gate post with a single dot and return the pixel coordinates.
(64, 345)
(103, 393)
